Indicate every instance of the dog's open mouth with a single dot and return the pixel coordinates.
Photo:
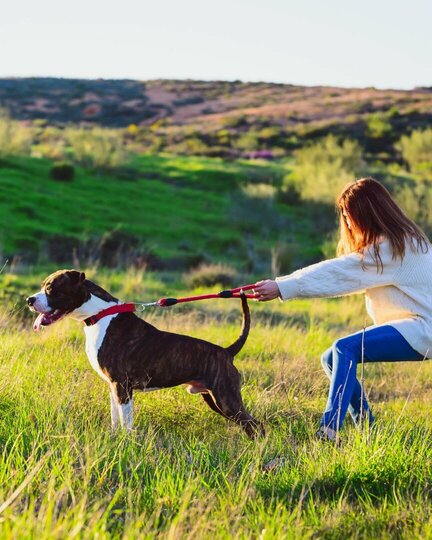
(45, 319)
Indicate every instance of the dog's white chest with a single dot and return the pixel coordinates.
(94, 337)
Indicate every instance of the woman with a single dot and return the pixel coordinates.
(386, 256)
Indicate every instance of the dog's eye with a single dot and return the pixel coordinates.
(49, 291)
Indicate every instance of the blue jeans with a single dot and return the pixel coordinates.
(381, 344)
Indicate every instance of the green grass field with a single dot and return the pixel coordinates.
(186, 473)
(180, 209)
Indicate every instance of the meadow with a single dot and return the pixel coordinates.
(171, 212)
(186, 473)
(146, 224)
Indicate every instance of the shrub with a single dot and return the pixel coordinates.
(288, 193)
(53, 150)
(259, 191)
(207, 275)
(234, 121)
(270, 134)
(190, 100)
(117, 248)
(15, 139)
(416, 200)
(60, 248)
(114, 249)
(192, 146)
(324, 168)
(224, 136)
(253, 209)
(62, 172)
(283, 255)
(378, 125)
(248, 141)
(97, 147)
(416, 149)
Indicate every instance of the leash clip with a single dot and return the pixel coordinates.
(141, 306)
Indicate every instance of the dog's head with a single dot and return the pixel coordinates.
(61, 293)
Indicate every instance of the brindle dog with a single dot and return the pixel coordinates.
(131, 354)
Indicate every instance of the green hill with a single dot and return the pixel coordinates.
(164, 211)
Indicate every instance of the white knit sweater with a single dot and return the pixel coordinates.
(400, 295)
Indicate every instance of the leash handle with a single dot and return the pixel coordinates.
(243, 288)
(229, 293)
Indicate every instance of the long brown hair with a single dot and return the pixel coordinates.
(367, 214)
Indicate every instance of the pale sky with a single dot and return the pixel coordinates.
(381, 43)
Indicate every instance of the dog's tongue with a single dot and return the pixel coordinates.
(38, 322)
(45, 319)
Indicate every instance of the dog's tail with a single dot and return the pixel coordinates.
(237, 346)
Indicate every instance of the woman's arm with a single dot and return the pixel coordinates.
(341, 276)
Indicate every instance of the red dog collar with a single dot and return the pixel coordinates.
(121, 308)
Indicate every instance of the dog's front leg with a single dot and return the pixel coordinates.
(123, 400)
(126, 414)
(115, 414)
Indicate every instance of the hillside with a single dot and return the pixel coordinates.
(219, 114)
(121, 102)
(165, 212)
(161, 176)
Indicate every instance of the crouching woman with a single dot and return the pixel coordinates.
(386, 256)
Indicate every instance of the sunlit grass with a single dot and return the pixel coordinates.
(187, 473)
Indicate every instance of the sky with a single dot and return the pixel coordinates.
(380, 43)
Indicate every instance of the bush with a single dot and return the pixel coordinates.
(207, 275)
(48, 142)
(253, 210)
(15, 139)
(53, 150)
(191, 146)
(248, 141)
(224, 137)
(114, 249)
(283, 255)
(378, 125)
(60, 248)
(234, 121)
(416, 200)
(62, 172)
(191, 100)
(119, 248)
(324, 168)
(270, 134)
(97, 147)
(288, 193)
(416, 149)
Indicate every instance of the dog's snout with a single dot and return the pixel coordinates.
(31, 300)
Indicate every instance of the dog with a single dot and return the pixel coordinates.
(131, 354)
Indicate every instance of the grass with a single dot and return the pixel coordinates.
(178, 208)
(187, 473)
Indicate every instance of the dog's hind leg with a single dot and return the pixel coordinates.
(210, 402)
(228, 400)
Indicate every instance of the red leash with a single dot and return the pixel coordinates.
(230, 293)
(166, 302)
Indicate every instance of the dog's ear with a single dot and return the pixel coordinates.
(76, 277)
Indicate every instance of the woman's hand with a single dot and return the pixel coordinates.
(266, 290)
